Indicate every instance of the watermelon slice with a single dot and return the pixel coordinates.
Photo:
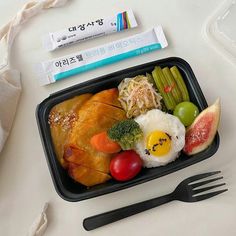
(203, 130)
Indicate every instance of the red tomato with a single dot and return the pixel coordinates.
(125, 165)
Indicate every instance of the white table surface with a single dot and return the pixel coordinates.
(25, 182)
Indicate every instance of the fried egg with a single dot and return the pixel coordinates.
(163, 138)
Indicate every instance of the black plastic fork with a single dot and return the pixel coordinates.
(186, 191)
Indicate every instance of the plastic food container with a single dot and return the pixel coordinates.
(70, 190)
(219, 30)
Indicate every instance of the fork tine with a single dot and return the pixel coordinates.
(206, 188)
(209, 195)
(201, 176)
(205, 182)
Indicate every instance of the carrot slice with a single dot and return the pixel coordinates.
(102, 143)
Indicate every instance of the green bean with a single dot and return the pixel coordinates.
(150, 79)
(180, 82)
(160, 83)
(174, 90)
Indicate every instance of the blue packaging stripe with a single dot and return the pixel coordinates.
(122, 21)
(119, 22)
(107, 61)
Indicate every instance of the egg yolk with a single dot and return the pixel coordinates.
(158, 143)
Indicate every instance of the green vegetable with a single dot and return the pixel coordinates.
(161, 83)
(180, 82)
(150, 79)
(126, 133)
(186, 112)
(174, 90)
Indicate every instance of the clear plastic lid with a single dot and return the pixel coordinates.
(220, 30)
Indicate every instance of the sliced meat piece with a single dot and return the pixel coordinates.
(95, 116)
(94, 160)
(109, 96)
(83, 131)
(86, 176)
(61, 119)
(103, 109)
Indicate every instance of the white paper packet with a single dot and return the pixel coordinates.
(92, 29)
(63, 67)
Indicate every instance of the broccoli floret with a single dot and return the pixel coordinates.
(126, 133)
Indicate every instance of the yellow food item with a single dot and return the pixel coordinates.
(158, 143)
(61, 119)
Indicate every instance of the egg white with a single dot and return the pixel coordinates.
(157, 120)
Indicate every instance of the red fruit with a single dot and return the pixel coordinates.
(125, 165)
(203, 130)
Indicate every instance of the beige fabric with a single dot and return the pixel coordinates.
(10, 85)
(40, 224)
(10, 89)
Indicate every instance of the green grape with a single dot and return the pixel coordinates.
(186, 112)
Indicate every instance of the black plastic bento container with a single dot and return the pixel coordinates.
(70, 190)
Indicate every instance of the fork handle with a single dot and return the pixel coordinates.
(99, 220)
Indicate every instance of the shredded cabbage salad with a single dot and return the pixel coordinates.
(137, 95)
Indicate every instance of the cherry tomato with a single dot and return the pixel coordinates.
(125, 165)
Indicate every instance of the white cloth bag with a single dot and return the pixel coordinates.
(10, 85)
